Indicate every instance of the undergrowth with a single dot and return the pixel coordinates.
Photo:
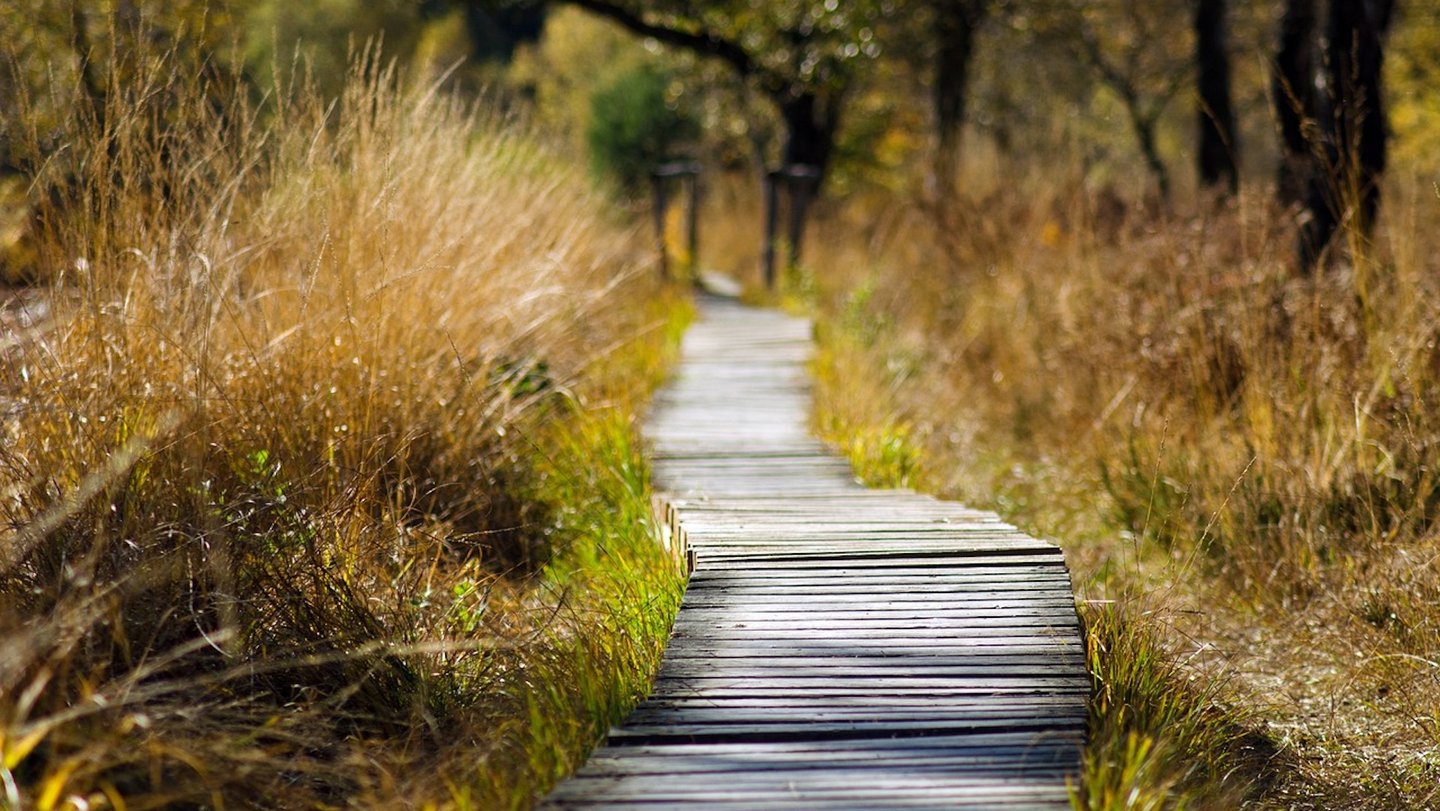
(318, 484)
(1159, 738)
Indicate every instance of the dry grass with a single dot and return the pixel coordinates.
(1242, 459)
(299, 482)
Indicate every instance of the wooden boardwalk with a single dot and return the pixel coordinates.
(838, 647)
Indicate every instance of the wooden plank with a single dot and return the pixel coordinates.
(912, 594)
(955, 563)
(819, 786)
(1008, 649)
(947, 743)
(864, 615)
(851, 686)
(1005, 658)
(836, 783)
(1019, 603)
(898, 573)
(897, 643)
(880, 702)
(972, 635)
(1045, 626)
(1003, 763)
(884, 588)
(911, 715)
(889, 684)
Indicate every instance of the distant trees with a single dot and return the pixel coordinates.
(803, 82)
(800, 56)
(1295, 96)
(1218, 149)
(63, 66)
(1345, 129)
(63, 58)
(956, 25)
(1131, 51)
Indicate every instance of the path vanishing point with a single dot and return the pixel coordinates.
(838, 647)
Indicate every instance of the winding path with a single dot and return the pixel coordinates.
(838, 647)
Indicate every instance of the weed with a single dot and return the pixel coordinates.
(1158, 738)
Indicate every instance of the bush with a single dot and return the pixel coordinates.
(633, 128)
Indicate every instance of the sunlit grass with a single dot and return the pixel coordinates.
(1161, 739)
(319, 485)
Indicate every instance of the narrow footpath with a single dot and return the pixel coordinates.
(838, 647)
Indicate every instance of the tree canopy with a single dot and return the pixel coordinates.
(874, 89)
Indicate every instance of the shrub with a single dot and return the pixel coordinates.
(634, 127)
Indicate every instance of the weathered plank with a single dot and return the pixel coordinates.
(838, 646)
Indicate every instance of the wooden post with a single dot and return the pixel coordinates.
(767, 259)
(689, 171)
(657, 188)
(799, 180)
(692, 227)
(799, 184)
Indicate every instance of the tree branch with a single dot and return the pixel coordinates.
(707, 43)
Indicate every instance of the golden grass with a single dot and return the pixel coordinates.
(1242, 460)
(282, 521)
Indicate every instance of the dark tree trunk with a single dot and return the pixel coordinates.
(1357, 37)
(1353, 157)
(956, 22)
(1218, 147)
(1150, 149)
(1295, 98)
(92, 84)
(811, 121)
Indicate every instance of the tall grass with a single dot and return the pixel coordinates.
(277, 491)
(1242, 457)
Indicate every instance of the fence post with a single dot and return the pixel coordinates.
(657, 189)
(801, 183)
(689, 171)
(800, 180)
(692, 226)
(767, 260)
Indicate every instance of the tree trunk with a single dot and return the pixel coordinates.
(811, 121)
(1357, 42)
(1294, 96)
(92, 85)
(1218, 147)
(1347, 184)
(956, 22)
(1143, 122)
(1150, 149)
